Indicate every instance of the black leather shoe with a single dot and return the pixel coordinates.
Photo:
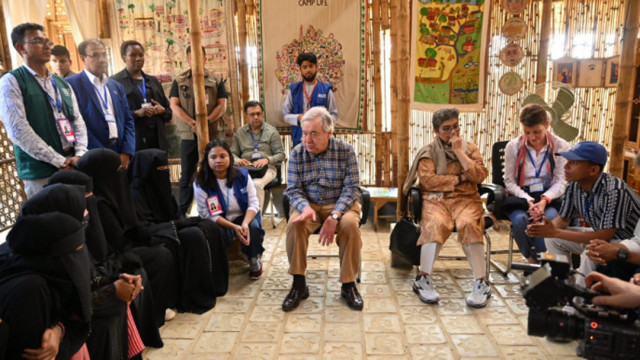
(293, 298)
(354, 300)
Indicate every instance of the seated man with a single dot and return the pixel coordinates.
(621, 260)
(601, 201)
(258, 144)
(323, 190)
(449, 170)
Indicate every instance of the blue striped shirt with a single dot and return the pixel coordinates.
(327, 178)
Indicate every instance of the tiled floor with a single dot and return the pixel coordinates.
(248, 322)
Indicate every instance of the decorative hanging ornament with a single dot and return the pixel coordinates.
(515, 6)
(511, 55)
(510, 83)
(514, 29)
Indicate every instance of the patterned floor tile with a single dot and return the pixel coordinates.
(225, 322)
(497, 315)
(303, 323)
(461, 324)
(424, 334)
(510, 335)
(408, 298)
(342, 314)
(300, 343)
(337, 351)
(373, 277)
(271, 297)
(375, 290)
(523, 353)
(178, 329)
(378, 304)
(509, 290)
(423, 314)
(387, 323)
(255, 351)
(431, 352)
(262, 332)
(233, 305)
(452, 307)
(267, 313)
(350, 332)
(214, 342)
(373, 266)
(473, 345)
(384, 344)
(173, 349)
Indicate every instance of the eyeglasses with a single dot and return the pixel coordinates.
(254, 114)
(97, 55)
(449, 129)
(39, 41)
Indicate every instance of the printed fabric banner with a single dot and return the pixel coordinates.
(334, 30)
(162, 27)
(449, 54)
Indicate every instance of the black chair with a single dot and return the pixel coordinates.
(365, 202)
(276, 182)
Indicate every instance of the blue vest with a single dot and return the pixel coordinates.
(242, 196)
(297, 96)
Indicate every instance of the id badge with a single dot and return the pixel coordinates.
(67, 130)
(206, 99)
(214, 205)
(146, 104)
(538, 187)
(256, 155)
(109, 117)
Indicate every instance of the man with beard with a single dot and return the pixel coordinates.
(302, 98)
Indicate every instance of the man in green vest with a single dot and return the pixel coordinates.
(39, 112)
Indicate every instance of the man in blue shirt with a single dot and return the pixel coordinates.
(323, 188)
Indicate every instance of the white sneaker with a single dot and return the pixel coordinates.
(423, 286)
(480, 294)
(255, 264)
(169, 315)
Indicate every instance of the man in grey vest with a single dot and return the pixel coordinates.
(40, 112)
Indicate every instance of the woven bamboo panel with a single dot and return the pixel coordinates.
(11, 188)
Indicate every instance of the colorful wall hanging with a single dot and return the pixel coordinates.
(449, 54)
(333, 30)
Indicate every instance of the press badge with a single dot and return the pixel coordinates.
(538, 187)
(214, 205)
(256, 155)
(67, 130)
(145, 104)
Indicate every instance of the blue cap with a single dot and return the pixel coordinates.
(586, 151)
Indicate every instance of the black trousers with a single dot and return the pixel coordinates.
(188, 165)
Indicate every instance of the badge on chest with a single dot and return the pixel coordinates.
(213, 203)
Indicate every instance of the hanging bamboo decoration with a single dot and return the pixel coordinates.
(393, 85)
(242, 43)
(197, 74)
(545, 36)
(404, 58)
(625, 89)
(377, 86)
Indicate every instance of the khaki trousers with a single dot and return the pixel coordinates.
(348, 240)
(260, 183)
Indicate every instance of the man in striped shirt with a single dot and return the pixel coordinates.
(600, 201)
(323, 188)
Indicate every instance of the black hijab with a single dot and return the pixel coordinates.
(110, 183)
(52, 245)
(96, 240)
(151, 187)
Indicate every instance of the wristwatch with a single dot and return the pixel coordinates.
(622, 254)
(335, 217)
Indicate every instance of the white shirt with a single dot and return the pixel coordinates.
(287, 106)
(234, 209)
(100, 85)
(557, 184)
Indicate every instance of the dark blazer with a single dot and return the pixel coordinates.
(91, 110)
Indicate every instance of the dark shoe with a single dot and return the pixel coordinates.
(293, 298)
(354, 300)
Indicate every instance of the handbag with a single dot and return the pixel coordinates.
(404, 239)
(255, 172)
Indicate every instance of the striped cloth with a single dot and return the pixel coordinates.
(135, 342)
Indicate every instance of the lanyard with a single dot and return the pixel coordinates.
(57, 103)
(255, 144)
(539, 170)
(227, 200)
(588, 205)
(308, 97)
(143, 90)
(104, 99)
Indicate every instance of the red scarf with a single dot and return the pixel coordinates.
(521, 158)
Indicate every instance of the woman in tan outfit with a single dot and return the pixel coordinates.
(449, 170)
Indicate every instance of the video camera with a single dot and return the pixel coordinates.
(603, 333)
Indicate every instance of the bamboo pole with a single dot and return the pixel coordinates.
(403, 65)
(197, 75)
(384, 14)
(626, 84)
(393, 85)
(4, 42)
(545, 36)
(377, 86)
(242, 42)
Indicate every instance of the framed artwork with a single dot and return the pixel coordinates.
(515, 6)
(612, 69)
(514, 29)
(511, 55)
(590, 73)
(510, 83)
(564, 71)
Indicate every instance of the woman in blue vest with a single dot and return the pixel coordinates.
(226, 195)
(534, 177)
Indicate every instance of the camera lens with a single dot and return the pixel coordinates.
(555, 324)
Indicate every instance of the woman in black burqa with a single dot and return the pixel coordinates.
(120, 224)
(197, 244)
(45, 299)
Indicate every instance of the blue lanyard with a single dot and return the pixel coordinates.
(57, 102)
(227, 202)
(105, 103)
(533, 163)
(588, 205)
(255, 144)
(143, 90)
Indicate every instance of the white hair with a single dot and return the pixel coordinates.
(319, 112)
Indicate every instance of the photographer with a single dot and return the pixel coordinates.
(623, 294)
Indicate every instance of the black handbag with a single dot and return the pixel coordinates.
(404, 239)
(255, 172)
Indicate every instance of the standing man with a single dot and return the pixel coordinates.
(61, 61)
(104, 104)
(323, 191)
(306, 94)
(183, 105)
(258, 144)
(39, 112)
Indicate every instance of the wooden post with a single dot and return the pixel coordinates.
(242, 43)
(384, 14)
(402, 128)
(5, 55)
(393, 86)
(626, 81)
(377, 87)
(197, 75)
(545, 36)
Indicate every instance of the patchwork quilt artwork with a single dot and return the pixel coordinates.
(334, 30)
(449, 54)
